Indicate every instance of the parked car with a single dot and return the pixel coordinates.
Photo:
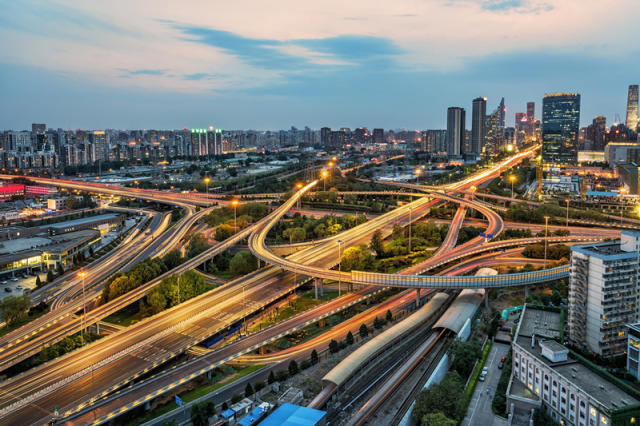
(501, 365)
(19, 287)
(485, 370)
(4, 282)
(7, 289)
(503, 359)
(481, 378)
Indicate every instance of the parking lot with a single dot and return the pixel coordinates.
(17, 285)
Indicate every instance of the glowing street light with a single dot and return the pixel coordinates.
(207, 179)
(622, 191)
(235, 203)
(82, 275)
(330, 163)
(299, 187)
(417, 172)
(324, 175)
(334, 158)
(512, 179)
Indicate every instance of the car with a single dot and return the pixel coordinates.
(4, 282)
(7, 289)
(503, 359)
(14, 279)
(485, 370)
(19, 287)
(481, 378)
(500, 365)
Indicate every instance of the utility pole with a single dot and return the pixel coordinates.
(546, 229)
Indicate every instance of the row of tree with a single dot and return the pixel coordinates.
(174, 290)
(301, 227)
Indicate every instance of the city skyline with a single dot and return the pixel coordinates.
(77, 66)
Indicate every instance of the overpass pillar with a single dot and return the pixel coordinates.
(526, 292)
(417, 298)
(147, 406)
(318, 287)
(486, 298)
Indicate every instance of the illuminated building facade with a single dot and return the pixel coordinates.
(560, 128)
(632, 107)
(478, 117)
(456, 121)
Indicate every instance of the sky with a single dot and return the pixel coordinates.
(274, 64)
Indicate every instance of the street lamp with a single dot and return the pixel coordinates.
(207, 179)
(324, 174)
(567, 201)
(330, 163)
(417, 172)
(623, 190)
(334, 158)
(409, 229)
(512, 179)
(235, 203)
(339, 267)
(299, 187)
(546, 230)
(82, 275)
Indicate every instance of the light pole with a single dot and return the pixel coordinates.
(417, 172)
(546, 228)
(410, 229)
(299, 187)
(512, 179)
(234, 203)
(244, 314)
(339, 267)
(207, 179)
(82, 275)
(324, 174)
(623, 190)
(567, 201)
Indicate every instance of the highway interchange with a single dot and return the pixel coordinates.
(86, 378)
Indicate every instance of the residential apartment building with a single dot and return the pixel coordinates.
(603, 294)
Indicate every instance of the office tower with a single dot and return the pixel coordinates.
(98, 140)
(632, 108)
(455, 131)
(41, 127)
(596, 133)
(603, 291)
(478, 117)
(434, 141)
(359, 135)
(378, 136)
(521, 128)
(560, 128)
(325, 137)
(494, 129)
(531, 120)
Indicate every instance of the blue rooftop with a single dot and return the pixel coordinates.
(602, 194)
(294, 415)
(253, 417)
(227, 414)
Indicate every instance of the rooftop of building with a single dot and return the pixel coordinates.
(293, 415)
(84, 220)
(20, 244)
(540, 322)
(608, 250)
(606, 392)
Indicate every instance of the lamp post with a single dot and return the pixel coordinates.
(567, 201)
(234, 203)
(410, 222)
(546, 228)
(207, 179)
(299, 187)
(324, 174)
(512, 179)
(417, 173)
(623, 190)
(339, 267)
(82, 275)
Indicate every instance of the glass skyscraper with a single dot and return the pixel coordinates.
(632, 107)
(455, 131)
(478, 117)
(560, 128)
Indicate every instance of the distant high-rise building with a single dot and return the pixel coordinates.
(531, 120)
(456, 122)
(434, 141)
(41, 127)
(325, 137)
(478, 117)
(560, 128)
(360, 135)
(494, 129)
(596, 133)
(98, 140)
(632, 108)
(378, 136)
(521, 128)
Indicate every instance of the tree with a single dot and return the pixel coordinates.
(248, 390)
(377, 244)
(271, 378)
(349, 338)
(377, 323)
(295, 235)
(38, 281)
(333, 346)
(199, 415)
(437, 419)
(314, 357)
(223, 232)
(50, 276)
(293, 368)
(173, 259)
(14, 308)
(364, 331)
(465, 355)
(358, 258)
(389, 316)
(197, 244)
(156, 300)
(397, 232)
(444, 396)
(242, 263)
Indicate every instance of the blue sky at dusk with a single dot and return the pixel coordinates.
(270, 65)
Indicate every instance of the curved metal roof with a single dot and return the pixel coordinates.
(345, 369)
(460, 310)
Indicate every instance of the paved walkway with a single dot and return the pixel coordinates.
(479, 411)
